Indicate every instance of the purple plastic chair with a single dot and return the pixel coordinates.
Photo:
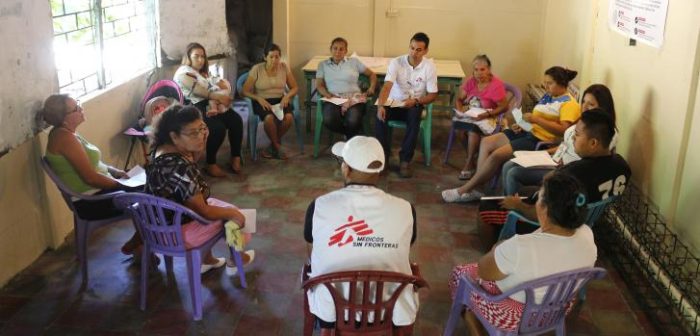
(81, 227)
(514, 102)
(537, 318)
(159, 222)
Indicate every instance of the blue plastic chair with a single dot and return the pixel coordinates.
(425, 135)
(81, 227)
(253, 119)
(159, 222)
(537, 318)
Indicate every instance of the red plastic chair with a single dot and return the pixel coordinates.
(81, 227)
(537, 318)
(159, 222)
(166, 88)
(362, 281)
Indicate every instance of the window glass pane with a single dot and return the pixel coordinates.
(74, 6)
(127, 48)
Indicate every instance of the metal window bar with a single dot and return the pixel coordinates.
(69, 17)
(659, 269)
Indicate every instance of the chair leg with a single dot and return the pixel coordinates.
(561, 329)
(450, 139)
(239, 265)
(426, 142)
(299, 131)
(145, 266)
(455, 314)
(317, 130)
(168, 263)
(194, 265)
(81, 229)
(308, 318)
(252, 137)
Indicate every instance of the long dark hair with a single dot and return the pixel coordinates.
(604, 98)
(173, 119)
(204, 71)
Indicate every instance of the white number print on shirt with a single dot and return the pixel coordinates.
(617, 187)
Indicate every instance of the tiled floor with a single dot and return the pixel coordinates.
(46, 297)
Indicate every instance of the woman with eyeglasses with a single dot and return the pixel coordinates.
(201, 88)
(78, 164)
(179, 135)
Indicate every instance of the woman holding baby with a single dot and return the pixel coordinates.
(212, 96)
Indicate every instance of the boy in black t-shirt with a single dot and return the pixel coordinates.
(603, 173)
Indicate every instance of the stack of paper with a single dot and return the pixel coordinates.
(335, 100)
(137, 177)
(473, 112)
(534, 159)
(391, 103)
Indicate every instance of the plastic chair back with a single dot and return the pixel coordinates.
(538, 317)
(253, 118)
(81, 227)
(361, 285)
(164, 87)
(159, 222)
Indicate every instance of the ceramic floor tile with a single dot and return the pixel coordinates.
(47, 297)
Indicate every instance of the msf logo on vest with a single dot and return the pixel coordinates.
(347, 233)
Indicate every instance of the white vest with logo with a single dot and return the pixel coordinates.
(362, 228)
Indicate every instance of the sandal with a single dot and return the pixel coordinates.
(268, 153)
(466, 174)
(279, 155)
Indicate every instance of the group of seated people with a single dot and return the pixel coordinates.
(589, 170)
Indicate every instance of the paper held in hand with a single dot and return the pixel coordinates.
(391, 103)
(250, 219)
(518, 116)
(335, 100)
(137, 177)
(534, 159)
(473, 112)
(278, 111)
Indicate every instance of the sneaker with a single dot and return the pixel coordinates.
(453, 196)
(405, 170)
(233, 270)
(208, 267)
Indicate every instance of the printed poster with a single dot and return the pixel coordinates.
(642, 20)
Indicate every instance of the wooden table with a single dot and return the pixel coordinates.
(448, 72)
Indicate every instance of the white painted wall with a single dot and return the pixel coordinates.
(509, 32)
(185, 21)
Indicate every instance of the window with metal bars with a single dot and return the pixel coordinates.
(98, 43)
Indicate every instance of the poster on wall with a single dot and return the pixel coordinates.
(641, 20)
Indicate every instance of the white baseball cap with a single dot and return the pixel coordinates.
(360, 153)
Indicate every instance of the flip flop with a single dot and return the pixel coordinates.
(466, 174)
(268, 153)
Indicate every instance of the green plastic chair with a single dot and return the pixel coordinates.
(426, 126)
(319, 124)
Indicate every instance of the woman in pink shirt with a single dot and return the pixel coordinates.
(483, 90)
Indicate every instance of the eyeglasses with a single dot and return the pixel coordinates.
(197, 132)
(77, 107)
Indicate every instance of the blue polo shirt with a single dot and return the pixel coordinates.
(342, 77)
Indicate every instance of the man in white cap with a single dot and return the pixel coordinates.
(360, 227)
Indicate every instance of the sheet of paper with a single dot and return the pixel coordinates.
(250, 220)
(278, 111)
(137, 177)
(134, 132)
(391, 103)
(473, 112)
(335, 100)
(518, 116)
(533, 159)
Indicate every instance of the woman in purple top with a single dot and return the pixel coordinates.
(485, 91)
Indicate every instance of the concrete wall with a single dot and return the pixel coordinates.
(459, 29)
(655, 92)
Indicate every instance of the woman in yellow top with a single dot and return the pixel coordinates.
(552, 115)
(78, 163)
